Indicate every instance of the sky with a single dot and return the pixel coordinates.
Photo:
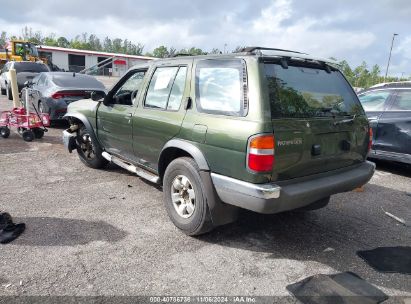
(352, 30)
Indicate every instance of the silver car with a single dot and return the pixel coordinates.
(52, 92)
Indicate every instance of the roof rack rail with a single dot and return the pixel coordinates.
(251, 49)
(181, 55)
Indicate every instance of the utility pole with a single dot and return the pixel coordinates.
(389, 57)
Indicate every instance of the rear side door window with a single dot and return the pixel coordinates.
(402, 101)
(221, 87)
(166, 88)
(375, 101)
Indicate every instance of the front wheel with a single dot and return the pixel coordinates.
(185, 198)
(88, 150)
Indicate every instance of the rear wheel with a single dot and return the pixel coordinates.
(88, 150)
(38, 133)
(185, 197)
(4, 132)
(3, 91)
(28, 135)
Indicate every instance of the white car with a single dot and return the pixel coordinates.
(26, 70)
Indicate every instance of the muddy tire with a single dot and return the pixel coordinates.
(185, 198)
(88, 150)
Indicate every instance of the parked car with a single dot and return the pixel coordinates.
(51, 92)
(388, 107)
(25, 70)
(264, 130)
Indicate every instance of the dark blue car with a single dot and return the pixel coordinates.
(388, 107)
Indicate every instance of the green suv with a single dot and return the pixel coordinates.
(266, 130)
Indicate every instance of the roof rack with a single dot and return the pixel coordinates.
(181, 55)
(252, 49)
(281, 53)
(394, 84)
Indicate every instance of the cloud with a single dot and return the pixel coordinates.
(351, 30)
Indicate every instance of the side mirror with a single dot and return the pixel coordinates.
(28, 83)
(97, 95)
(107, 100)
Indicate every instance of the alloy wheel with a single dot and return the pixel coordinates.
(183, 196)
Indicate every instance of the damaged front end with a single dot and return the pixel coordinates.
(69, 137)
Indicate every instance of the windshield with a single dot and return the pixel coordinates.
(299, 91)
(30, 67)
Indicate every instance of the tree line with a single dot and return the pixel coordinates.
(360, 76)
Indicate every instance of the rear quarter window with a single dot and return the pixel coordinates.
(221, 87)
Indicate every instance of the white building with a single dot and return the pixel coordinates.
(75, 60)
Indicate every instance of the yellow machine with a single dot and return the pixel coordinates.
(20, 50)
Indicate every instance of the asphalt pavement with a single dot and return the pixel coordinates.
(106, 232)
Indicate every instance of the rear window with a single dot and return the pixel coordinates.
(300, 91)
(30, 67)
(78, 81)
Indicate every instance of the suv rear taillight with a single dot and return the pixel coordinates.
(370, 139)
(260, 153)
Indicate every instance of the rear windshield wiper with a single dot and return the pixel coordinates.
(344, 121)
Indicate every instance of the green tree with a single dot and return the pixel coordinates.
(107, 45)
(63, 42)
(3, 38)
(215, 51)
(161, 52)
(50, 40)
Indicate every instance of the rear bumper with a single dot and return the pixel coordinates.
(57, 108)
(289, 195)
